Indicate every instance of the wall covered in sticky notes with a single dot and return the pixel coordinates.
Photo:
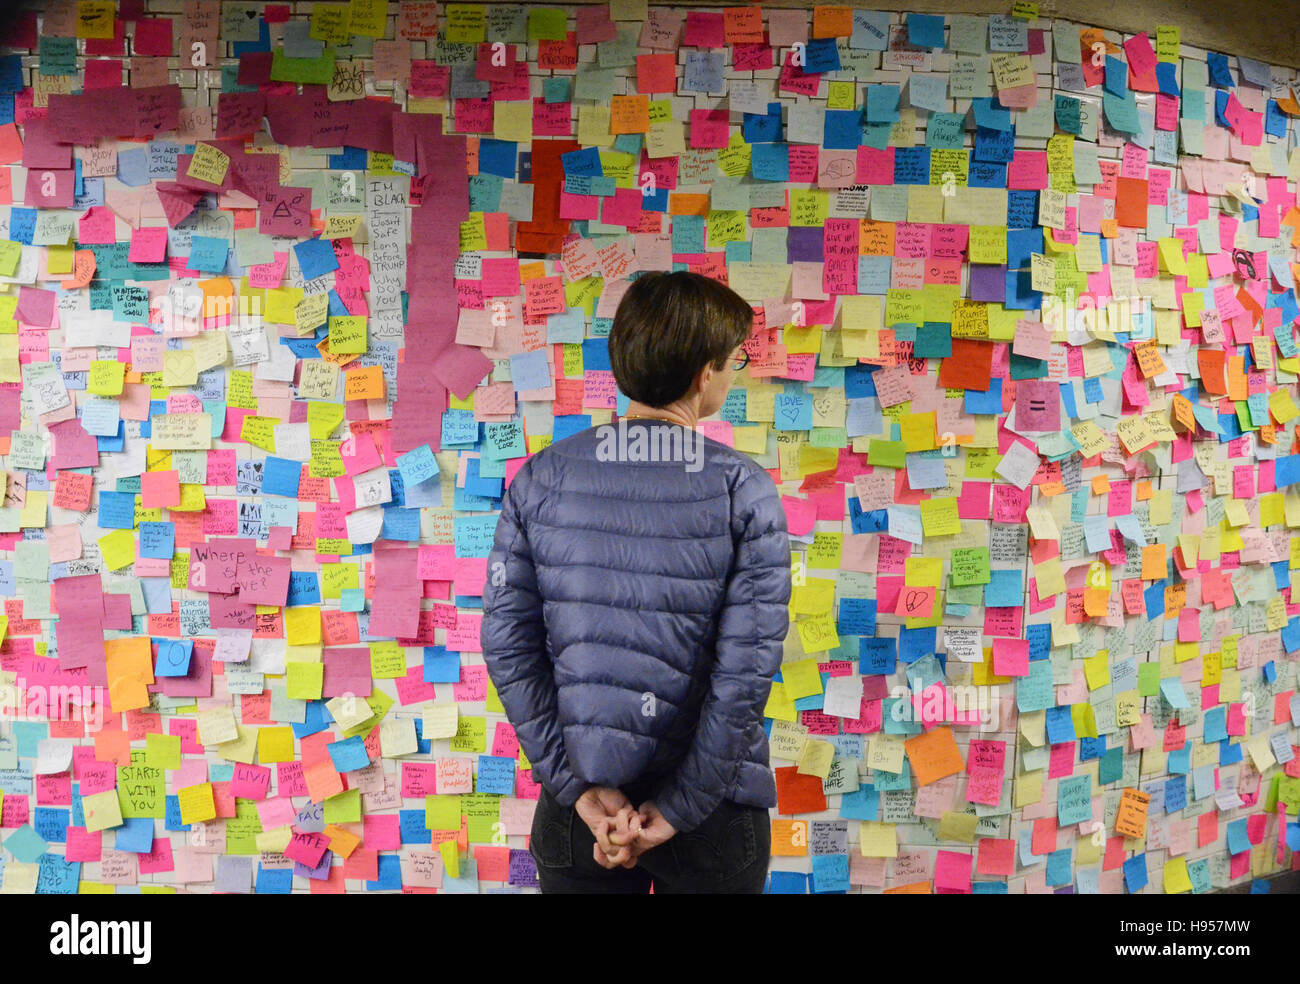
(289, 294)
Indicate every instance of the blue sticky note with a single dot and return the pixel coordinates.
(1059, 871)
(1116, 82)
(390, 875)
(499, 157)
(769, 162)
(135, 835)
(280, 476)
(1220, 76)
(1135, 873)
(133, 167)
(830, 873)
(441, 666)
(116, 510)
(417, 465)
(173, 657)
(585, 162)
(704, 71)
(1005, 589)
(349, 754)
(1238, 838)
(208, 254)
(882, 103)
(925, 30)
(316, 258)
(1172, 689)
(531, 370)
(304, 589)
(496, 774)
(991, 114)
(25, 844)
(842, 130)
(57, 876)
(157, 540)
(1060, 725)
(274, 881)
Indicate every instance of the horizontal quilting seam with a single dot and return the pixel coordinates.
(569, 528)
(613, 685)
(624, 570)
(652, 656)
(723, 493)
(676, 610)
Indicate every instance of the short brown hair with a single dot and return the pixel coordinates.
(668, 327)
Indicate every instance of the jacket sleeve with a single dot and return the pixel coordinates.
(513, 637)
(752, 627)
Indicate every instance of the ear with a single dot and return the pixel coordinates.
(703, 379)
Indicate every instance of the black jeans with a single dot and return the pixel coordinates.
(727, 854)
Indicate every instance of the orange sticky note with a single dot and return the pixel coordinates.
(832, 22)
(364, 384)
(1153, 562)
(1100, 484)
(789, 838)
(683, 204)
(934, 755)
(1131, 818)
(629, 114)
(1131, 202)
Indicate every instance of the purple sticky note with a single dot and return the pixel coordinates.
(988, 283)
(234, 874)
(804, 245)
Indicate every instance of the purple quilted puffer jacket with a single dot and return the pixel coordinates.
(634, 617)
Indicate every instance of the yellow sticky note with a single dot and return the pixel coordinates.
(780, 707)
(274, 745)
(106, 377)
(442, 812)
(878, 840)
(102, 810)
(208, 164)
(197, 803)
(513, 120)
(304, 680)
(162, 751)
(1175, 876)
(302, 626)
(816, 758)
(348, 335)
(450, 858)
(118, 549)
(95, 19)
(339, 227)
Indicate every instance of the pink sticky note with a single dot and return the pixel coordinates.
(160, 489)
(97, 227)
(916, 601)
(801, 514)
(148, 245)
(1011, 657)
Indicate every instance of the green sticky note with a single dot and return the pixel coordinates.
(344, 807)
(442, 812)
(1148, 679)
(162, 751)
(304, 680)
(547, 24)
(10, 254)
(311, 71)
(970, 565)
(891, 454)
